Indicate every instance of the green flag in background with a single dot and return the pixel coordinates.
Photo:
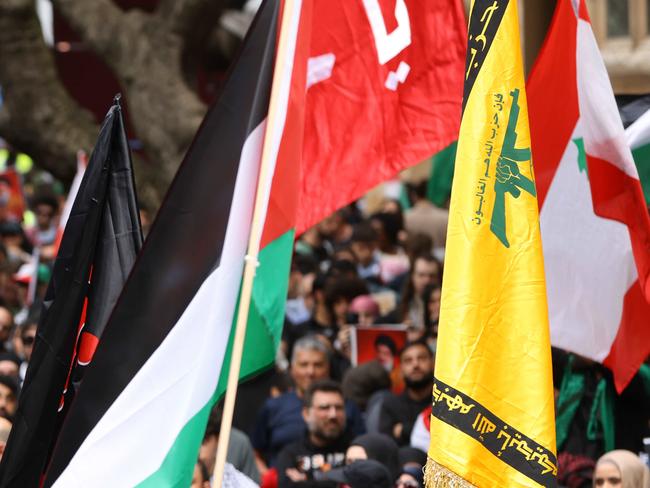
(442, 174)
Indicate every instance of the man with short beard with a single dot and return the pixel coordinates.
(324, 443)
(399, 412)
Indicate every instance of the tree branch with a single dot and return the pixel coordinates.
(145, 55)
(38, 116)
(193, 21)
(103, 26)
(182, 15)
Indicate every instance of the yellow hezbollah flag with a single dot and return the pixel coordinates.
(492, 422)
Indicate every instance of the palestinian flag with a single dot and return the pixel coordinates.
(594, 221)
(141, 411)
(99, 245)
(638, 137)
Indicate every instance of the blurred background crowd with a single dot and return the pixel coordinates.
(375, 265)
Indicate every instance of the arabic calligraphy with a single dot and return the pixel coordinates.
(501, 439)
(453, 403)
(480, 41)
(488, 147)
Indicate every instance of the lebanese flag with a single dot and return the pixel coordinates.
(385, 88)
(141, 410)
(594, 222)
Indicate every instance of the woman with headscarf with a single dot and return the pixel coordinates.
(621, 469)
(379, 447)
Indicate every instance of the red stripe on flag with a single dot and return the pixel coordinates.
(283, 201)
(632, 343)
(583, 12)
(553, 98)
(87, 347)
(618, 196)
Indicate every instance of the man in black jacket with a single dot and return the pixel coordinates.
(399, 412)
(324, 443)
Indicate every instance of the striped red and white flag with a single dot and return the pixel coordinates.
(594, 221)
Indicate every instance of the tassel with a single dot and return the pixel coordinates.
(437, 476)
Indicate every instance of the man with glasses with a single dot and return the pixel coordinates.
(280, 421)
(324, 443)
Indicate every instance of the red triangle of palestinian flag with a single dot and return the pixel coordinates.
(594, 222)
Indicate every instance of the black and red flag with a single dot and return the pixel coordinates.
(101, 241)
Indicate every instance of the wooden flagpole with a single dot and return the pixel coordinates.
(251, 261)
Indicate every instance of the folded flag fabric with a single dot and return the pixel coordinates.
(101, 240)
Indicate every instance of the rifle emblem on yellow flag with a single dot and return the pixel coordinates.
(492, 421)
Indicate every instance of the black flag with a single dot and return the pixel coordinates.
(101, 241)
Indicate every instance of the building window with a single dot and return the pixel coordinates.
(618, 18)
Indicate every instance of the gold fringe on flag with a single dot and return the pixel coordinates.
(437, 476)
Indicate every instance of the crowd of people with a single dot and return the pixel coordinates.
(322, 418)
(28, 245)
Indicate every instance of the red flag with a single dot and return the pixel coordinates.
(384, 92)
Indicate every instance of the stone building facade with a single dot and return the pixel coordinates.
(622, 28)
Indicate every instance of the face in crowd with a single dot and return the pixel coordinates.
(7, 401)
(9, 368)
(199, 479)
(307, 366)
(621, 469)
(434, 304)
(424, 273)
(417, 366)
(325, 418)
(363, 251)
(28, 337)
(406, 481)
(607, 475)
(44, 215)
(5, 429)
(6, 323)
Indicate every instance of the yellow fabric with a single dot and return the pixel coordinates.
(493, 343)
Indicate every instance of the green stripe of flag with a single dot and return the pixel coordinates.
(642, 160)
(263, 334)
